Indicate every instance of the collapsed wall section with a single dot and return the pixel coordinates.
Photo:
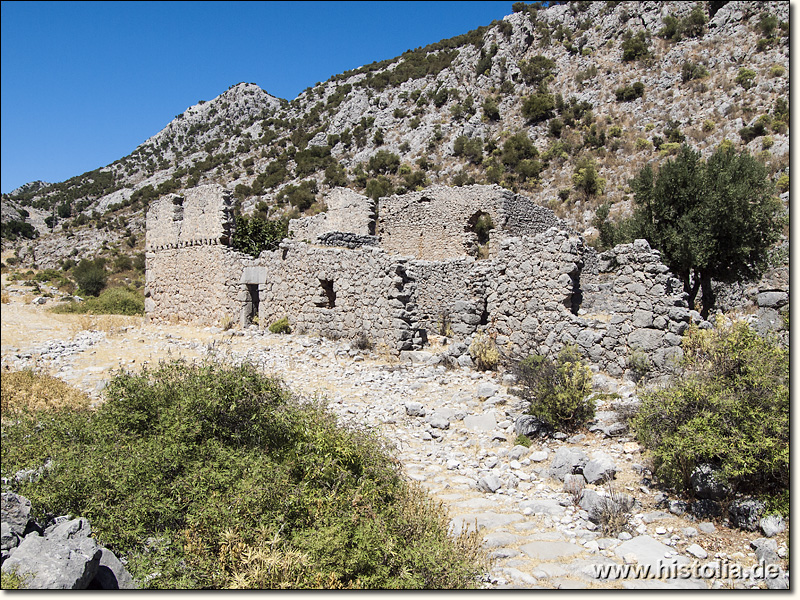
(348, 212)
(339, 293)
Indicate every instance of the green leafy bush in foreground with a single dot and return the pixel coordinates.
(112, 301)
(216, 477)
(558, 391)
(730, 410)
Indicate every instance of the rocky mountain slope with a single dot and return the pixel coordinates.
(527, 102)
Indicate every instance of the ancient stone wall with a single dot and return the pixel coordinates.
(348, 212)
(434, 224)
(191, 273)
(438, 223)
(194, 283)
(204, 215)
(338, 292)
(535, 293)
(523, 217)
(446, 301)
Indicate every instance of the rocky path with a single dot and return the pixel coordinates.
(454, 432)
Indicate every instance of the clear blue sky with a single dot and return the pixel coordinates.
(84, 83)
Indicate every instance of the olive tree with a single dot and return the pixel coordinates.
(710, 219)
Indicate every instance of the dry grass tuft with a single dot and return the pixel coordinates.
(111, 324)
(29, 390)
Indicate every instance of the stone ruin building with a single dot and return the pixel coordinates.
(442, 261)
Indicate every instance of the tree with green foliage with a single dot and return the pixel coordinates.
(537, 70)
(379, 187)
(253, 235)
(710, 219)
(383, 162)
(538, 107)
(91, 275)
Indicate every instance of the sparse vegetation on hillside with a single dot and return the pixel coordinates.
(280, 158)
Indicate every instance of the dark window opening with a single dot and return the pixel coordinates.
(252, 290)
(484, 315)
(575, 299)
(177, 209)
(481, 224)
(327, 288)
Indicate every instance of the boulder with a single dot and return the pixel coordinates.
(772, 299)
(489, 483)
(706, 509)
(486, 390)
(66, 559)
(438, 421)
(746, 513)
(530, 426)
(518, 452)
(600, 469)
(415, 409)
(15, 511)
(772, 525)
(112, 574)
(707, 484)
(565, 462)
(598, 506)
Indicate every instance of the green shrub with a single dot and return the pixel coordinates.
(490, 109)
(639, 363)
(634, 47)
(383, 162)
(629, 93)
(730, 409)
(783, 183)
(558, 391)
(470, 148)
(113, 301)
(537, 70)
(746, 78)
(197, 474)
(691, 70)
(538, 107)
(776, 71)
(586, 179)
(280, 326)
(522, 440)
